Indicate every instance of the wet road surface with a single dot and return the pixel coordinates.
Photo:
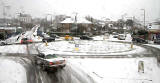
(34, 74)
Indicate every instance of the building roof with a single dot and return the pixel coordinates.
(8, 28)
(79, 20)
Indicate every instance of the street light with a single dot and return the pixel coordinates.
(144, 17)
(75, 21)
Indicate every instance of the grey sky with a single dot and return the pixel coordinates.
(112, 9)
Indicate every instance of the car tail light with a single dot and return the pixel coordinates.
(51, 63)
(31, 40)
(21, 41)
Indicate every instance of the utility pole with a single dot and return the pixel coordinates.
(76, 23)
(144, 17)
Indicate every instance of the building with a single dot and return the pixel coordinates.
(25, 21)
(25, 18)
(79, 26)
(154, 31)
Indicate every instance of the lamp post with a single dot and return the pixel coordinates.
(144, 17)
(75, 21)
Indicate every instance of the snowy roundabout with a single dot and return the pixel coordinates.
(82, 47)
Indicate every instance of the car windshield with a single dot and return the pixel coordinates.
(50, 56)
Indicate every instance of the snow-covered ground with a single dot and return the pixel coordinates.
(120, 70)
(11, 71)
(18, 49)
(82, 47)
(13, 49)
(103, 46)
(103, 70)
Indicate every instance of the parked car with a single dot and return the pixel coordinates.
(157, 41)
(26, 41)
(50, 61)
(48, 39)
(139, 40)
(121, 37)
(85, 37)
(54, 35)
(2, 43)
(115, 35)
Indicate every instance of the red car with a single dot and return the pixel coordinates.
(26, 40)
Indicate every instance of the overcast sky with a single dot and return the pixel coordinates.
(112, 9)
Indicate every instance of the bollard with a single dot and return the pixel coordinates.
(76, 47)
(141, 66)
(131, 45)
(46, 43)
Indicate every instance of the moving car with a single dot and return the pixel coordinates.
(85, 37)
(54, 35)
(48, 39)
(50, 61)
(25, 41)
(67, 37)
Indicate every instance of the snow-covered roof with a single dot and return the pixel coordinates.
(8, 28)
(79, 20)
(68, 20)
